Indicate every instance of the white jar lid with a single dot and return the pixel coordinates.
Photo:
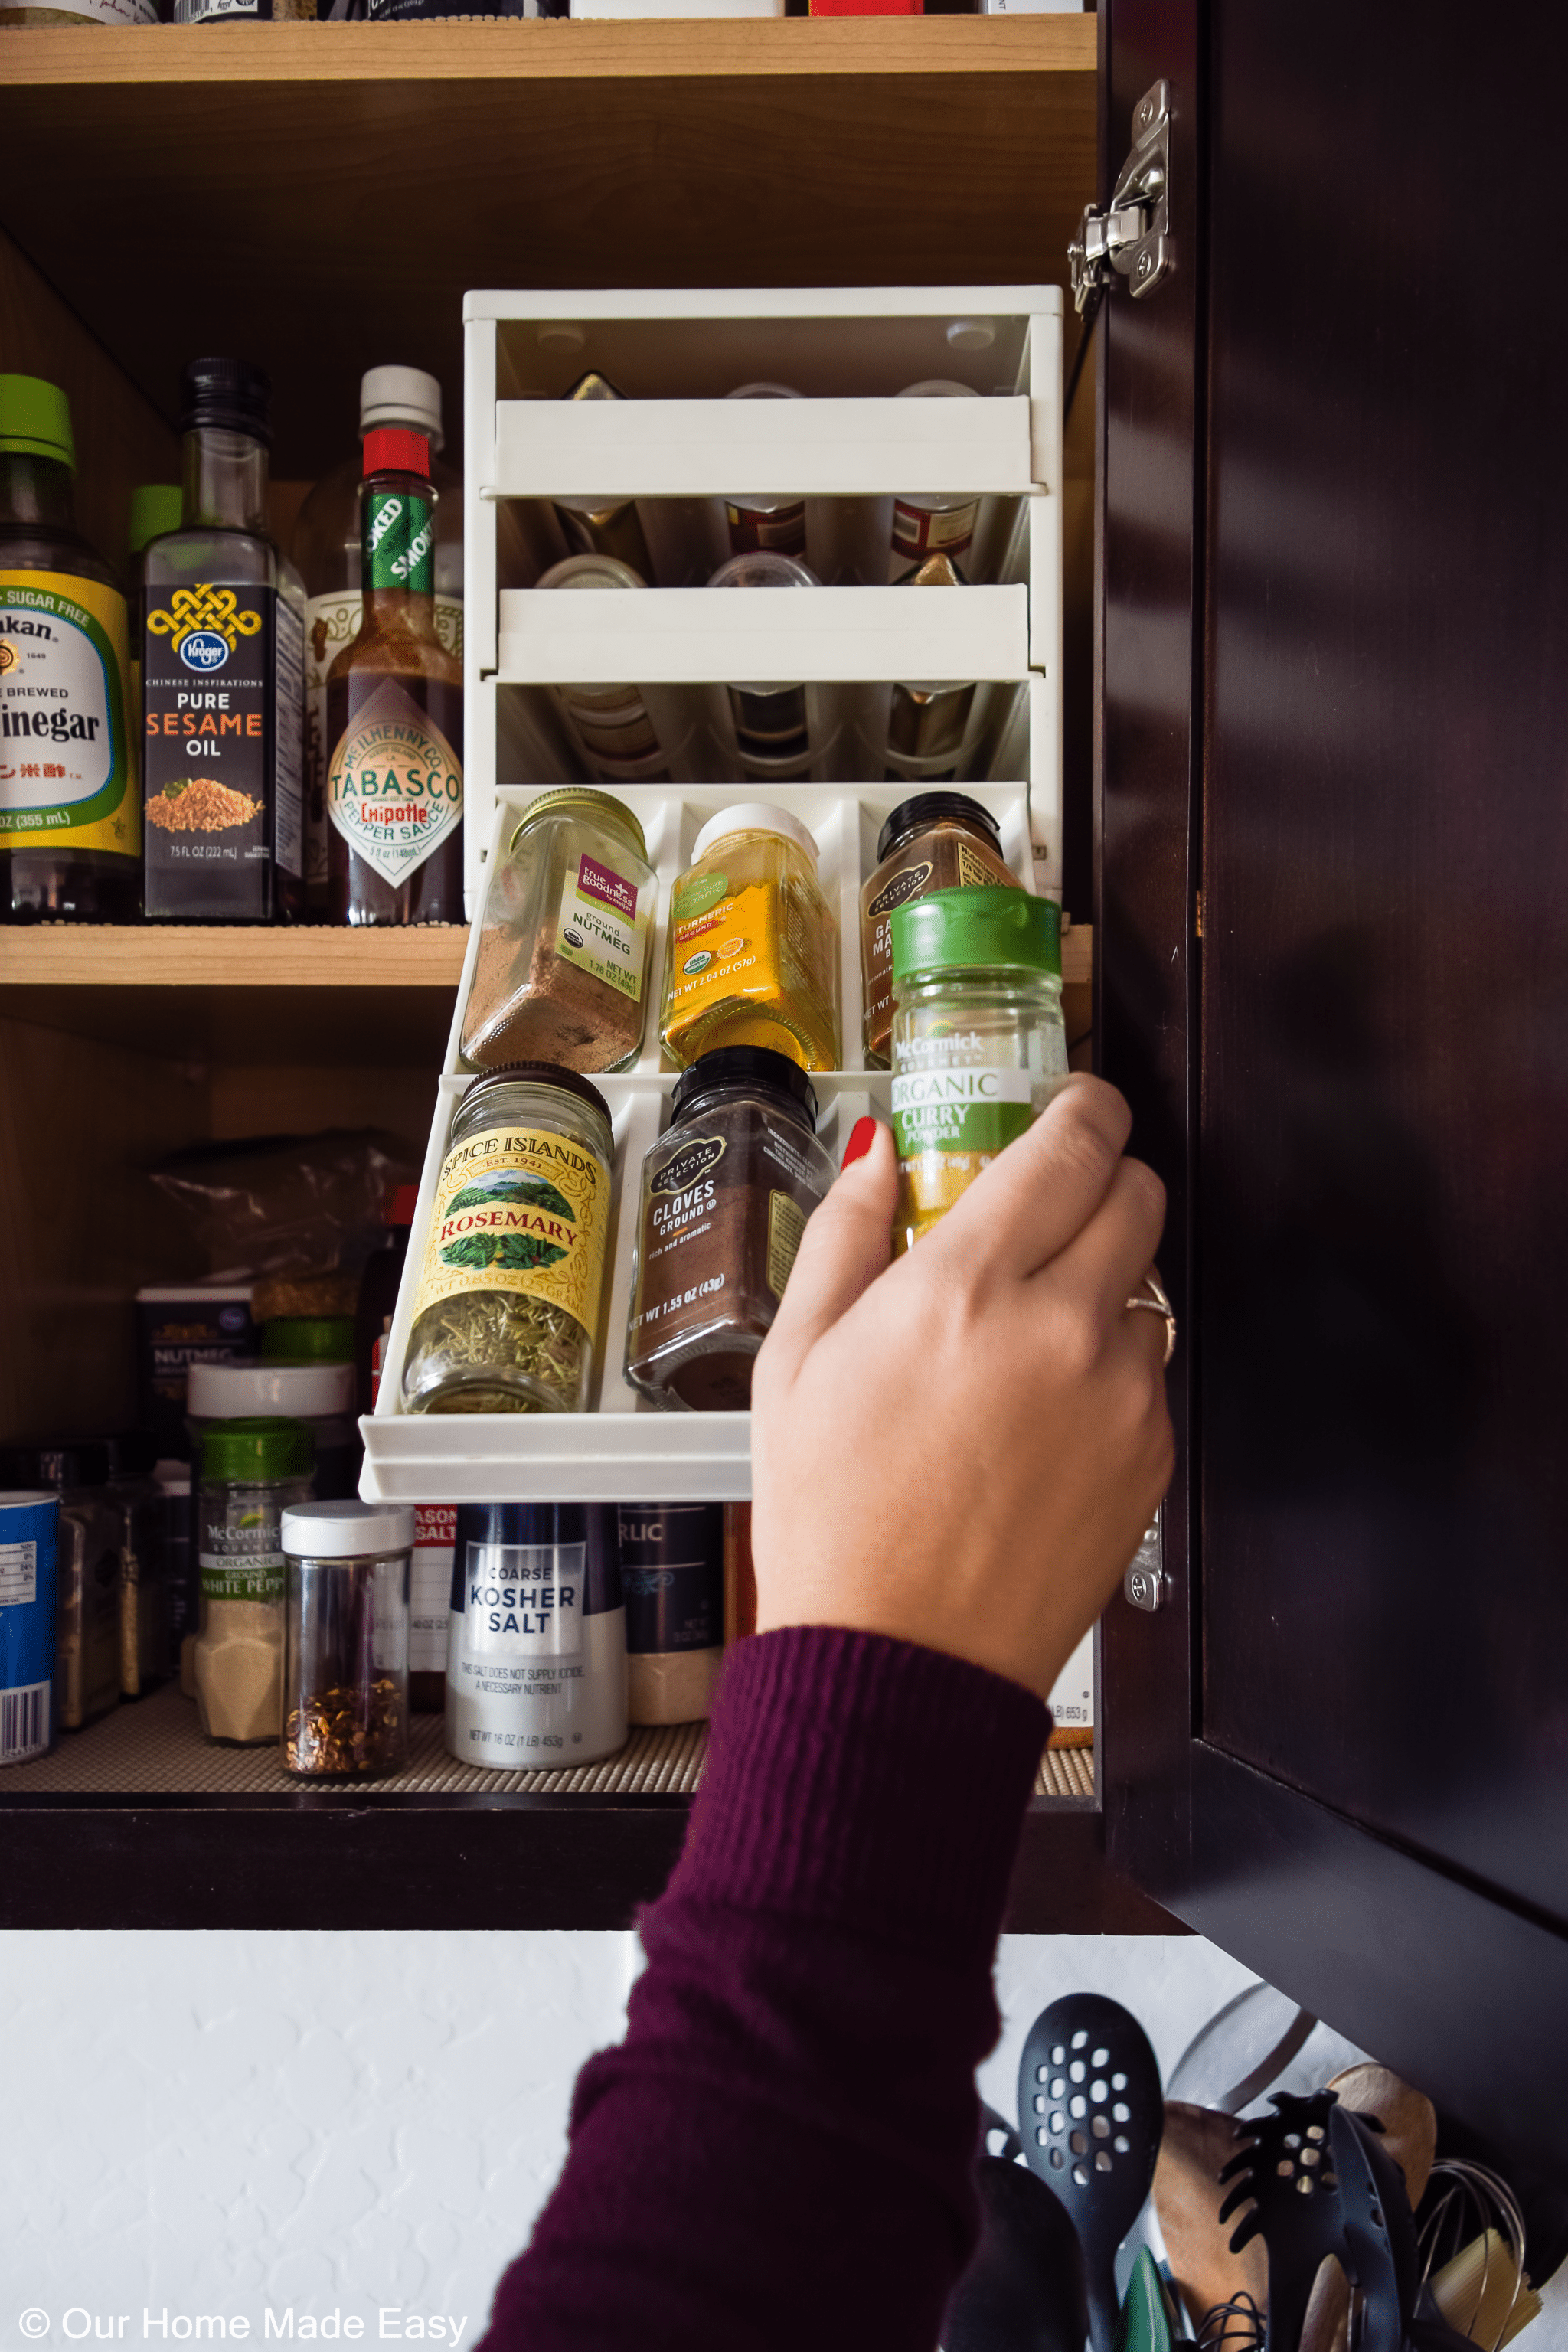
(401, 395)
(346, 1530)
(754, 816)
(301, 1392)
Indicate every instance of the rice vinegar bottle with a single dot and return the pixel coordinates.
(394, 713)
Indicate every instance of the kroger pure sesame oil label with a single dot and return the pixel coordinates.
(519, 1208)
(64, 776)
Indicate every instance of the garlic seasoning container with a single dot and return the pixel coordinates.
(979, 1047)
(536, 1671)
(937, 841)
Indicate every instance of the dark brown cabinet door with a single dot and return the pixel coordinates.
(1336, 646)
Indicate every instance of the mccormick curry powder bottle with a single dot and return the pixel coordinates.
(394, 713)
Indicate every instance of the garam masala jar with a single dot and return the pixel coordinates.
(937, 841)
(561, 973)
(752, 953)
(507, 1311)
(979, 1047)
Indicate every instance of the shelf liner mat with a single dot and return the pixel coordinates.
(153, 1747)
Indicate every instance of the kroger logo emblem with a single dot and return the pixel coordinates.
(204, 650)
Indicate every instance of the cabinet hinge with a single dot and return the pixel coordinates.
(1130, 234)
(1198, 913)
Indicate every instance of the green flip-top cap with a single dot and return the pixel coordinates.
(259, 1445)
(308, 1339)
(977, 930)
(155, 508)
(35, 420)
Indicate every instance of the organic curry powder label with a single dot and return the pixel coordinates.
(519, 1208)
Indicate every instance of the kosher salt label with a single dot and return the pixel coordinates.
(394, 788)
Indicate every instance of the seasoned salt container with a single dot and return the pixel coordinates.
(979, 1047)
(562, 970)
(345, 1673)
(753, 951)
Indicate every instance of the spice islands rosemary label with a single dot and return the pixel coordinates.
(394, 788)
(519, 1208)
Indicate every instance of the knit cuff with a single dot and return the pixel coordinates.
(865, 1783)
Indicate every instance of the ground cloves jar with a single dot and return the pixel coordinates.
(979, 1047)
(506, 1316)
(345, 1672)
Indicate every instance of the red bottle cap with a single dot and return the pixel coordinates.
(404, 1203)
(392, 449)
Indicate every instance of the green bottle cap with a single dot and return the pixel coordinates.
(261, 1445)
(977, 930)
(308, 1339)
(35, 420)
(155, 508)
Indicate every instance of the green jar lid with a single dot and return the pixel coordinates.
(984, 929)
(261, 1445)
(155, 508)
(308, 1339)
(35, 420)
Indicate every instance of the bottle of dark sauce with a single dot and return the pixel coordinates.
(395, 714)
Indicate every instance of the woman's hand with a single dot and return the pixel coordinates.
(963, 1448)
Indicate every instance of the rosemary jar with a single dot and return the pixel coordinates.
(937, 841)
(560, 970)
(345, 1669)
(753, 951)
(979, 1047)
(506, 1317)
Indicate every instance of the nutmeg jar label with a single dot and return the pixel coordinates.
(519, 1208)
(603, 924)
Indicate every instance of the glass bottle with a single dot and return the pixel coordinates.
(73, 13)
(611, 723)
(561, 973)
(927, 723)
(252, 1470)
(924, 525)
(755, 521)
(345, 1664)
(979, 1047)
(770, 720)
(937, 841)
(506, 1317)
(70, 823)
(394, 713)
(222, 676)
(609, 527)
(326, 548)
(724, 1199)
(751, 957)
(155, 508)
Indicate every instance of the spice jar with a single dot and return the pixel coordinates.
(561, 973)
(252, 1470)
(345, 1673)
(536, 1671)
(752, 958)
(771, 732)
(726, 1192)
(322, 1395)
(926, 526)
(978, 1043)
(614, 733)
(938, 841)
(506, 1317)
(755, 521)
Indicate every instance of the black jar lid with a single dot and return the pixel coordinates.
(746, 1065)
(934, 808)
(230, 394)
(543, 1074)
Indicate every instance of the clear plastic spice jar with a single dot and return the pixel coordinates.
(726, 1192)
(937, 841)
(978, 1043)
(561, 973)
(753, 951)
(346, 1673)
(506, 1317)
(252, 1471)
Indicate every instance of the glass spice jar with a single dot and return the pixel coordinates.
(253, 1469)
(726, 1192)
(937, 841)
(345, 1672)
(506, 1316)
(561, 973)
(979, 1047)
(751, 957)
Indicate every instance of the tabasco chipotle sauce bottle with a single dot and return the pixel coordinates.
(395, 714)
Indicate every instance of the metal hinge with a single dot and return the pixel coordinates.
(1130, 235)
(1145, 1581)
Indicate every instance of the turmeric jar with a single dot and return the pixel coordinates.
(753, 954)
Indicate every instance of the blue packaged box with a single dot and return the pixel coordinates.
(30, 1525)
(177, 1325)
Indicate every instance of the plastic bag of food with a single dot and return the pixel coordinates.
(288, 1204)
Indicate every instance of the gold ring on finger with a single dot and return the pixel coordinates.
(1157, 1305)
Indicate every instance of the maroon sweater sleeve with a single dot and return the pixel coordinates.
(777, 2154)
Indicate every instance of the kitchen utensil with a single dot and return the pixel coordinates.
(1320, 2185)
(1145, 2322)
(1090, 2118)
(1196, 2145)
(1410, 2136)
(1240, 2050)
(1024, 2290)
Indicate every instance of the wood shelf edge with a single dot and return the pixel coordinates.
(544, 49)
(107, 956)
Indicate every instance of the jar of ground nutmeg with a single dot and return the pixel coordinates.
(561, 973)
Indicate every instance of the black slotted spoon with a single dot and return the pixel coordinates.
(1090, 2116)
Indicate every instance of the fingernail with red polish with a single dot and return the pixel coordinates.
(859, 1143)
